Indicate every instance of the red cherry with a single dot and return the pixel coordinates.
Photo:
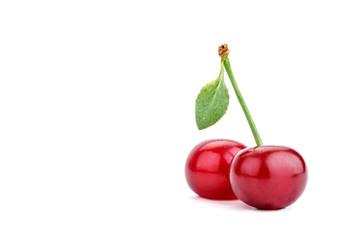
(208, 165)
(268, 177)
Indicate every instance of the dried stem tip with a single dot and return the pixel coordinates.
(223, 50)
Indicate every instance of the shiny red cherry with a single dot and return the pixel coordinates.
(208, 165)
(268, 177)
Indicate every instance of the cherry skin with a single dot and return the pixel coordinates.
(268, 177)
(208, 166)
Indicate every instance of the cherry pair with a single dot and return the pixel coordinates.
(264, 176)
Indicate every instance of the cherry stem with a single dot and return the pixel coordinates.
(254, 130)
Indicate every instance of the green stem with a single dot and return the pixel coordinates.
(241, 101)
(221, 74)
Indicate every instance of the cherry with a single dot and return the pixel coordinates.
(265, 177)
(208, 165)
(268, 177)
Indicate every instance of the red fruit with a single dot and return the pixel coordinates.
(268, 177)
(208, 166)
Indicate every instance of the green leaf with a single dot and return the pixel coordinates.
(211, 103)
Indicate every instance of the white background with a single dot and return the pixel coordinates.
(97, 115)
